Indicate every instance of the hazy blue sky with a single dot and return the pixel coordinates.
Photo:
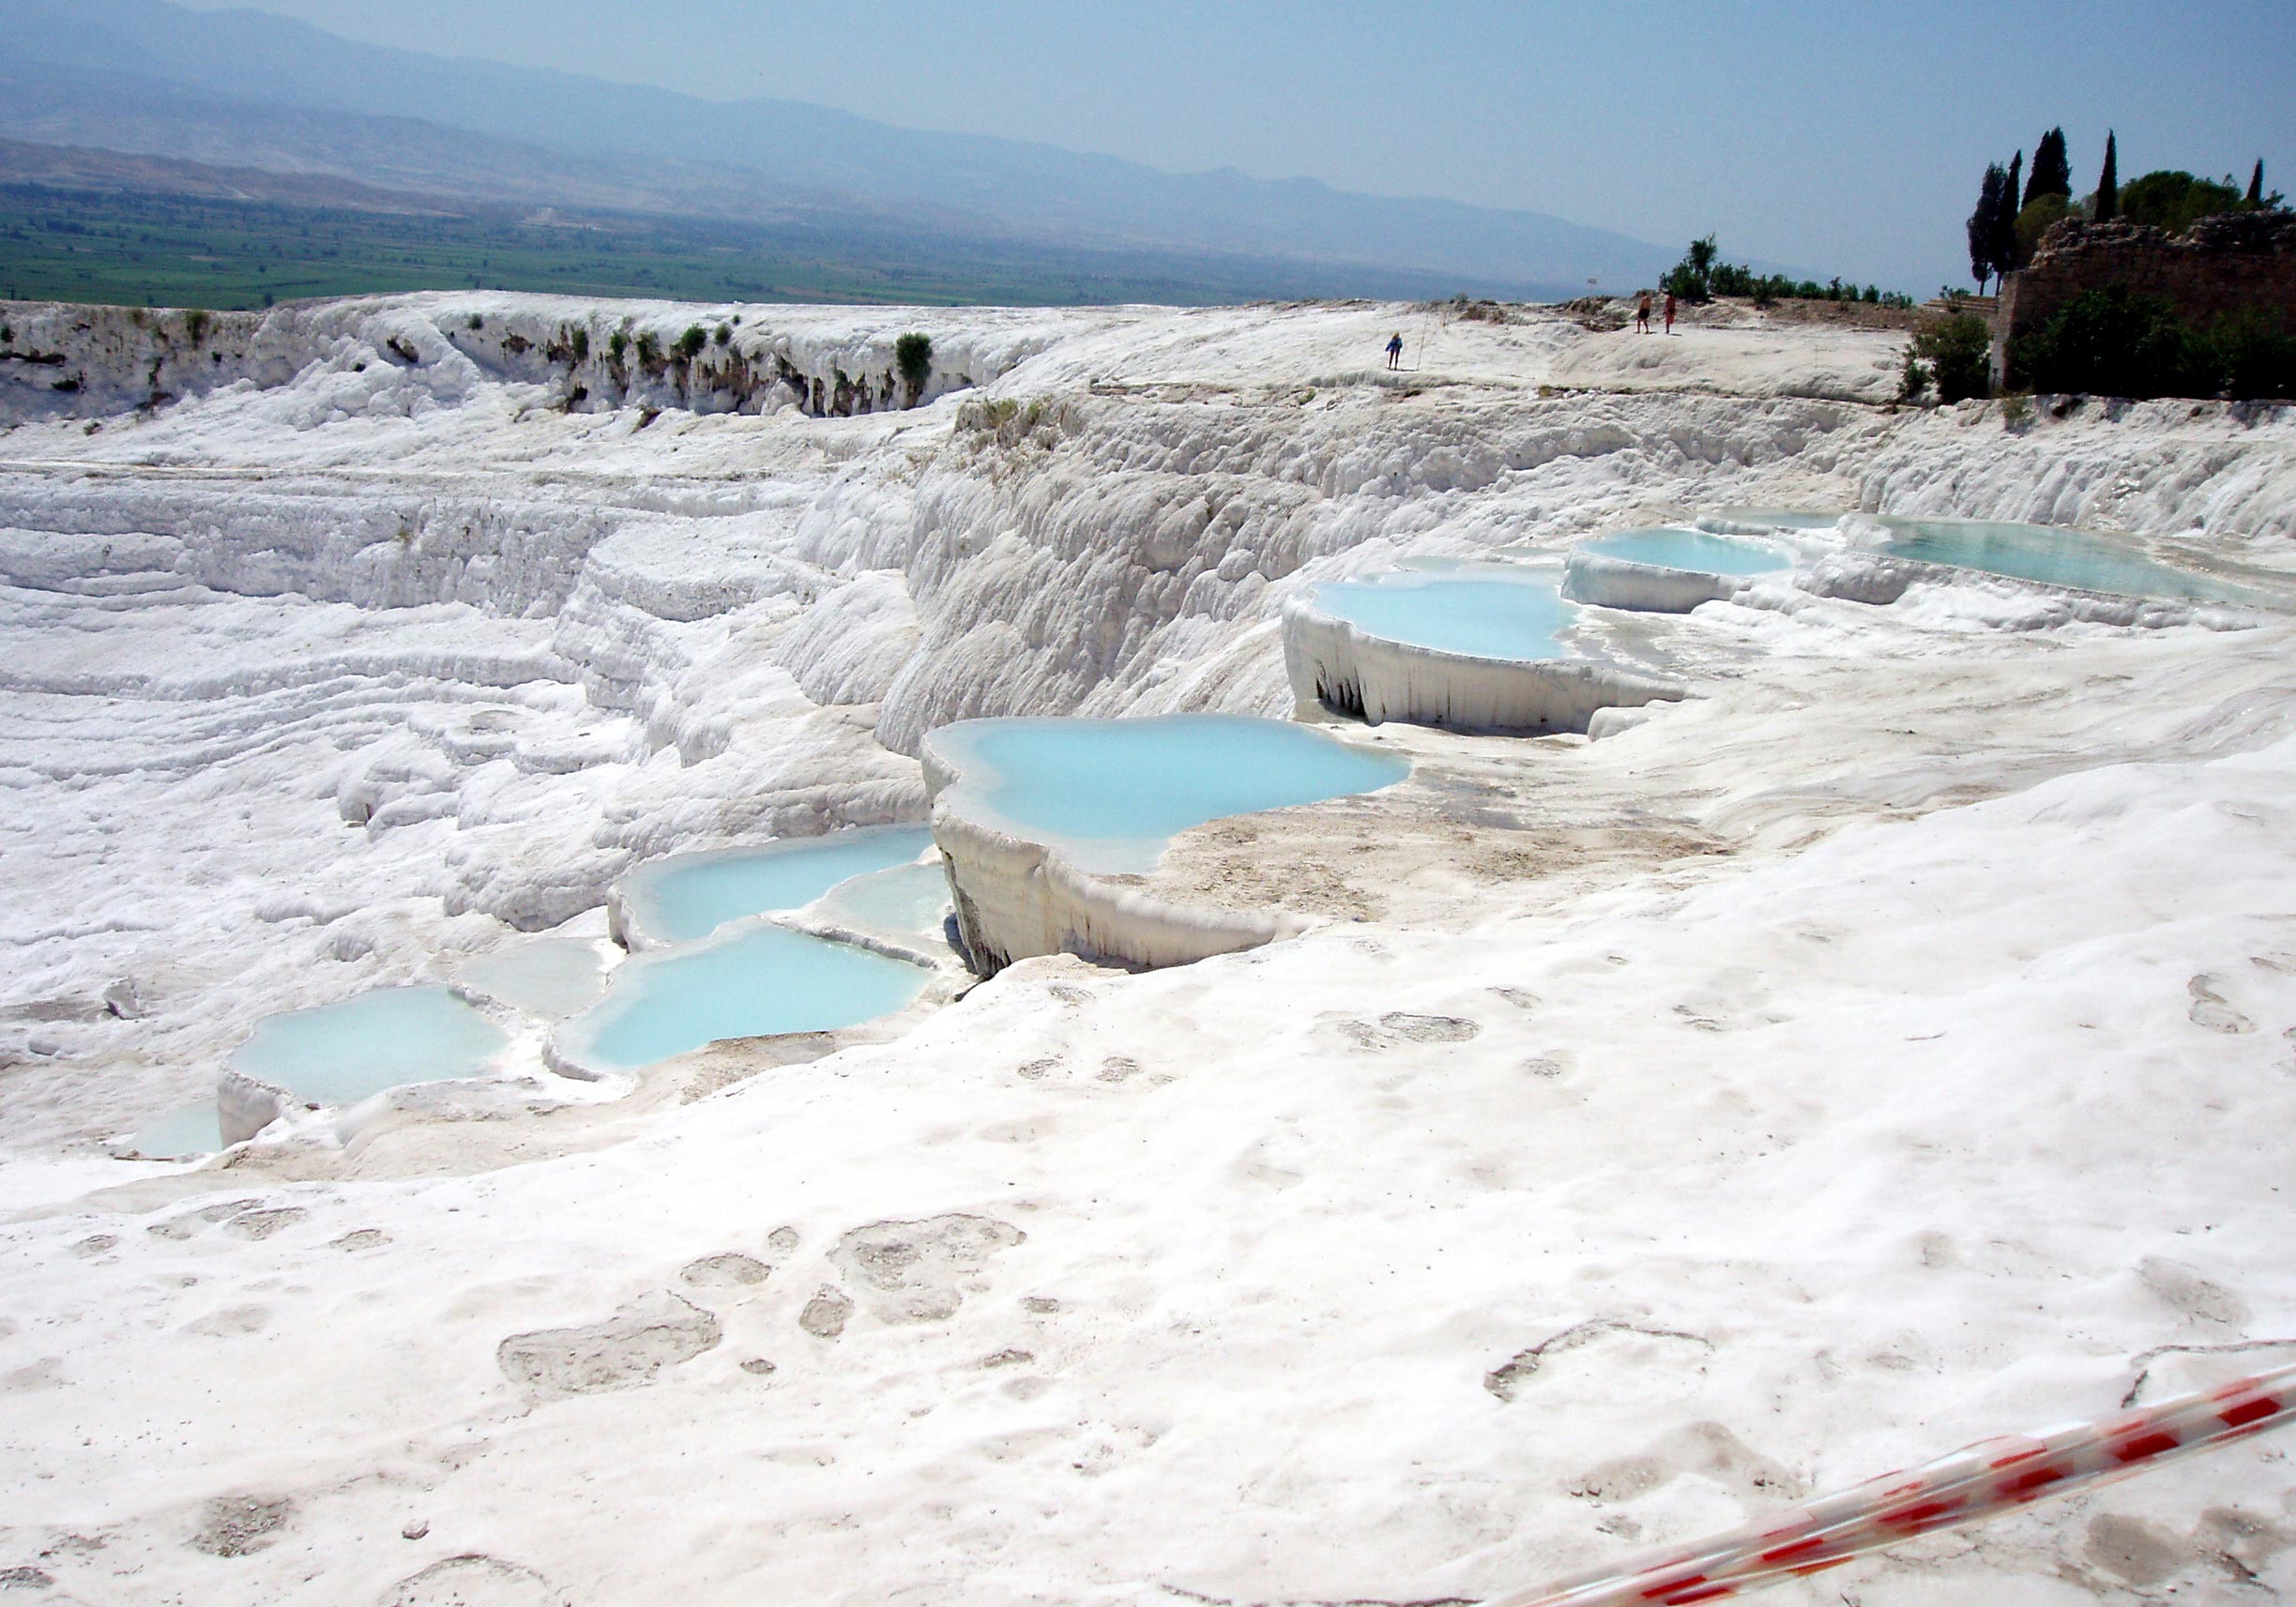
(1843, 137)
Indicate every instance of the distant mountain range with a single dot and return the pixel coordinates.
(248, 90)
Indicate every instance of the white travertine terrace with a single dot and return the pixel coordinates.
(1337, 663)
(1645, 588)
(1017, 897)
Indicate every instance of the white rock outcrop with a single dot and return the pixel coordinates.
(245, 1105)
(1643, 588)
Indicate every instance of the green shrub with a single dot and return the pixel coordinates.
(582, 345)
(2117, 342)
(7, 335)
(616, 344)
(2041, 214)
(1959, 354)
(913, 356)
(649, 349)
(725, 335)
(2256, 357)
(690, 344)
(1702, 274)
(477, 322)
(1914, 377)
(2174, 202)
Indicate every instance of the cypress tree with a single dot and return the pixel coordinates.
(2052, 170)
(2255, 184)
(2005, 220)
(1984, 227)
(2108, 182)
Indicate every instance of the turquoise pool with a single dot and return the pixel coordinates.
(909, 900)
(1112, 792)
(2047, 553)
(338, 1055)
(184, 1132)
(1484, 617)
(691, 895)
(1669, 548)
(764, 979)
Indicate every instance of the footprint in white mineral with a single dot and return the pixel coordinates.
(649, 1333)
(2187, 1290)
(240, 1525)
(189, 1223)
(2211, 1011)
(262, 1224)
(1704, 1451)
(45, 1373)
(232, 1321)
(1402, 1026)
(728, 1270)
(826, 1314)
(913, 1272)
(474, 1580)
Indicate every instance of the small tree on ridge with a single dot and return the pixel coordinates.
(913, 356)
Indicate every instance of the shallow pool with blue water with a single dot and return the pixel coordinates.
(1112, 792)
(691, 895)
(338, 1055)
(759, 981)
(2049, 554)
(1484, 614)
(1671, 548)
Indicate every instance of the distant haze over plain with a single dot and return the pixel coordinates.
(1824, 139)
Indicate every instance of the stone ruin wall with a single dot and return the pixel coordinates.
(2225, 265)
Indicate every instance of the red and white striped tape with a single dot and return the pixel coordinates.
(1983, 1481)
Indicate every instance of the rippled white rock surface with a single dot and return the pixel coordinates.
(1936, 1087)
